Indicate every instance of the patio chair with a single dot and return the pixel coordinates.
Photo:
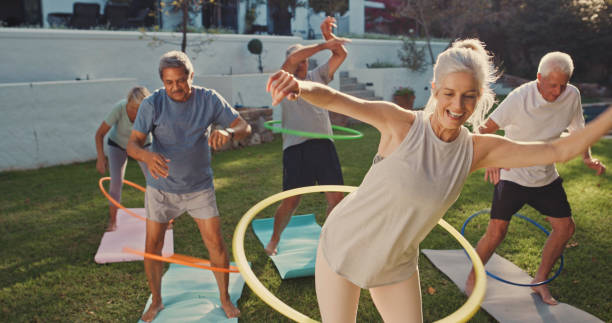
(85, 15)
(259, 29)
(138, 20)
(59, 19)
(116, 15)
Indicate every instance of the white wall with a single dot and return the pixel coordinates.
(367, 51)
(357, 16)
(38, 93)
(386, 80)
(52, 123)
(34, 55)
(246, 89)
(299, 22)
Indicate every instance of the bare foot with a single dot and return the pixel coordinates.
(545, 294)
(271, 248)
(112, 226)
(469, 284)
(230, 309)
(152, 311)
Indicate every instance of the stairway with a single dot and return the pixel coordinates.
(351, 86)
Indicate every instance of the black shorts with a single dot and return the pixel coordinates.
(312, 162)
(550, 200)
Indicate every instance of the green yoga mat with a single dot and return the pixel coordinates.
(297, 250)
(191, 295)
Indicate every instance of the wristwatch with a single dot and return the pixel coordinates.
(231, 131)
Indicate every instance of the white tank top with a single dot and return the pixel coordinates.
(372, 236)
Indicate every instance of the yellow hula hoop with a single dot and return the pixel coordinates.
(464, 313)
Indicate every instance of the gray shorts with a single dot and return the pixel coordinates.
(164, 206)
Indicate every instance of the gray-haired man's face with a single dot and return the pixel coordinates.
(177, 83)
(301, 70)
(552, 85)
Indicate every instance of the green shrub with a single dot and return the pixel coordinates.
(404, 91)
(382, 64)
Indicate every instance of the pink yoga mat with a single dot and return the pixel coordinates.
(130, 233)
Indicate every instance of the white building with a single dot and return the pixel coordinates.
(228, 14)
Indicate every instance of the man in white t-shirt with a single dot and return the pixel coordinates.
(308, 161)
(539, 110)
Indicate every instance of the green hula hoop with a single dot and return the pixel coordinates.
(353, 134)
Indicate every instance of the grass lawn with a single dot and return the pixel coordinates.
(52, 220)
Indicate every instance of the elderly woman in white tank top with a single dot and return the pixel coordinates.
(371, 238)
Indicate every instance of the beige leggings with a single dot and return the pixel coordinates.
(338, 298)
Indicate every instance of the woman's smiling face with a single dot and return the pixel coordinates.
(456, 98)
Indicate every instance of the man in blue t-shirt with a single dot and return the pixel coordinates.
(179, 116)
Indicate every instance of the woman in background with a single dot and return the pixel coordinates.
(119, 121)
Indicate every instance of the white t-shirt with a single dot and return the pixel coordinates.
(526, 116)
(303, 116)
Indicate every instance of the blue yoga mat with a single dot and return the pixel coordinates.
(191, 295)
(297, 250)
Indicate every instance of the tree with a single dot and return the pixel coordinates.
(593, 59)
(453, 16)
(330, 7)
(524, 30)
(251, 14)
(388, 20)
(458, 16)
(280, 13)
(292, 4)
(424, 13)
(188, 9)
(411, 55)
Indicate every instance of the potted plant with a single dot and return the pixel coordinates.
(404, 97)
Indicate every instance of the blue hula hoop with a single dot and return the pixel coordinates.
(539, 226)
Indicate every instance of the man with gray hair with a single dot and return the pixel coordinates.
(540, 110)
(179, 116)
(307, 161)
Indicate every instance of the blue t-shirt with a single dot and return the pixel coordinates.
(180, 131)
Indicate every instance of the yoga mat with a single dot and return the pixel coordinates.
(191, 295)
(130, 232)
(507, 303)
(297, 250)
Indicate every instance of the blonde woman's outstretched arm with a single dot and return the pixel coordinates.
(384, 116)
(495, 151)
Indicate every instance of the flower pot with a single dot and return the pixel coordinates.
(404, 101)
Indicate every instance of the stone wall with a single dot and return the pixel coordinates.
(259, 134)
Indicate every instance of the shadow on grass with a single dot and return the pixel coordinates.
(53, 219)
